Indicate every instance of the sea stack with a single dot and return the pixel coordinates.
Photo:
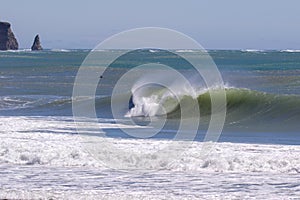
(36, 46)
(7, 37)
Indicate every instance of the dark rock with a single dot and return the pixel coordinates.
(36, 46)
(7, 37)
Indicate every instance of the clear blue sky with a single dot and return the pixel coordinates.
(215, 24)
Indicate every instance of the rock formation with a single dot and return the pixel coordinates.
(36, 46)
(7, 37)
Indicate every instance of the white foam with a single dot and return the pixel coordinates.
(60, 50)
(5, 77)
(46, 141)
(145, 106)
(74, 183)
(153, 100)
(40, 158)
(252, 50)
(11, 103)
(49, 141)
(291, 50)
(19, 50)
(185, 51)
(154, 104)
(29, 101)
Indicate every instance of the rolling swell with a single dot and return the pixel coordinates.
(245, 102)
(248, 109)
(242, 104)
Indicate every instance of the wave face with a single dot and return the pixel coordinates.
(240, 102)
(245, 108)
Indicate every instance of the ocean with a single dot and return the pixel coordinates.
(43, 156)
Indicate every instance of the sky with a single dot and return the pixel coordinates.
(215, 24)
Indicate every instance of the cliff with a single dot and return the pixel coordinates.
(7, 37)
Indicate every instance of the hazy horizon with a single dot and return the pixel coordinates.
(232, 24)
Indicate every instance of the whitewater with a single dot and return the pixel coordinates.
(56, 165)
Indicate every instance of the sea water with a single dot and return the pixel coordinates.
(257, 156)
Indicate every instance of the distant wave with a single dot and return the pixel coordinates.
(252, 50)
(152, 51)
(262, 50)
(291, 51)
(31, 101)
(5, 77)
(61, 50)
(16, 51)
(185, 51)
(44, 50)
